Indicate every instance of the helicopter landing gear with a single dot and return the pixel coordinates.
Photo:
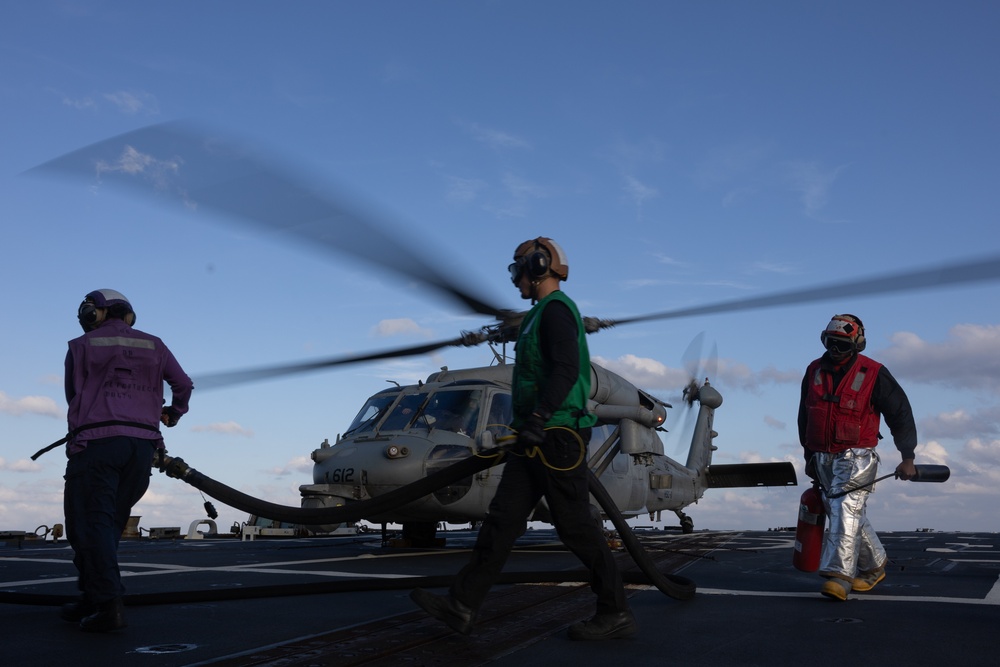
(687, 523)
(418, 534)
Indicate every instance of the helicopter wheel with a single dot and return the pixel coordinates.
(687, 523)
(419, 534)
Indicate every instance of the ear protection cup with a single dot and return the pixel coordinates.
(90, 315)
(860, 341)
(537, 264)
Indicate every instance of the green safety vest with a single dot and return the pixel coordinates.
(531, 371)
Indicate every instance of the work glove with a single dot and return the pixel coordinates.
(532, 432)
(169, 417)
(811, 468)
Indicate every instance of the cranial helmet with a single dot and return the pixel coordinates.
(102, 304)
(845, 334)
(539, 258)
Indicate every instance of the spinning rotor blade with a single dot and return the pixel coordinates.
(698, 370)
(948, 274)
(227, 378)
(691, 361)
(712, 367)
(201, 169)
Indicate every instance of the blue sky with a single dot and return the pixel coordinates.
(682, 153)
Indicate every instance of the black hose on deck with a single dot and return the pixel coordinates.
(674, 585)
(678, 587)
(312, 516)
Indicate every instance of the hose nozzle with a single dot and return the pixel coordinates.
(173, 466)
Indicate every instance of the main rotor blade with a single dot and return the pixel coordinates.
(982, 270)
(198, 168)
(229, 378)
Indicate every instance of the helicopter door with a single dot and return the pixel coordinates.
(498, 420)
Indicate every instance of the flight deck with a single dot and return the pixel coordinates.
(341, 601)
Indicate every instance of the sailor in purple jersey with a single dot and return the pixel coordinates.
(114, 388)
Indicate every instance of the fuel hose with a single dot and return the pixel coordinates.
(675, 586)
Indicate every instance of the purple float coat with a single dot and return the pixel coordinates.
(116, 373)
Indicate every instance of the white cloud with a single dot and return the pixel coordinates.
(775, 423)
(463, 190)
(521, 189)
(670, 261)
(644, 372)
(129, 102)
(133, 162)
(740, 376)
(982, 454)
(735, 162)
(652, 375)
(638, 192)
(403, 326)
(932, 451)
(495, 139)
(81, 103)
(771, 267)
(297, 466)
(629, 155)
(21, 465)
(34, 405)
(737, 195)
(813, 183)
(968, 359)
(133, 102)
(226, 428)
(961, 424)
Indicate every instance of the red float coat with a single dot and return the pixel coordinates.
(841, 417)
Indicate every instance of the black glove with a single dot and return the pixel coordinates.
(532, 432)
(169, 417)
(811, 468)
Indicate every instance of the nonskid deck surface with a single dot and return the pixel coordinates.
(344, 601)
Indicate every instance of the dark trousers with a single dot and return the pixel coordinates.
(525, 481)
(103, 483)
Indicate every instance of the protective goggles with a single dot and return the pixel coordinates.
(839, 345)
(516, 270)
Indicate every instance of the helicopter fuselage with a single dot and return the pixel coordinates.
(402, 434)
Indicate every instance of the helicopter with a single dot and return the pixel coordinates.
(404, 433)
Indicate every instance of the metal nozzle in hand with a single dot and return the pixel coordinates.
(171, 465)
(925, 473)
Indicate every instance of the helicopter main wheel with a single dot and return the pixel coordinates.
(687, 523)
(419, 534)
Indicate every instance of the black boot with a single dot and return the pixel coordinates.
(605, 626)
(109, 616)
(74, 612)
(445, 608)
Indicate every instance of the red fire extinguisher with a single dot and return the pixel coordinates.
(809, 531)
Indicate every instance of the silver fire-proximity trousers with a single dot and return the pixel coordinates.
(851, 544)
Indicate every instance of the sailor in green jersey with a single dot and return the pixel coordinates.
(550, 389)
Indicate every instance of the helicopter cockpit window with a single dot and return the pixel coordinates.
(374, 410)
(455, 410)
(404, 413)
